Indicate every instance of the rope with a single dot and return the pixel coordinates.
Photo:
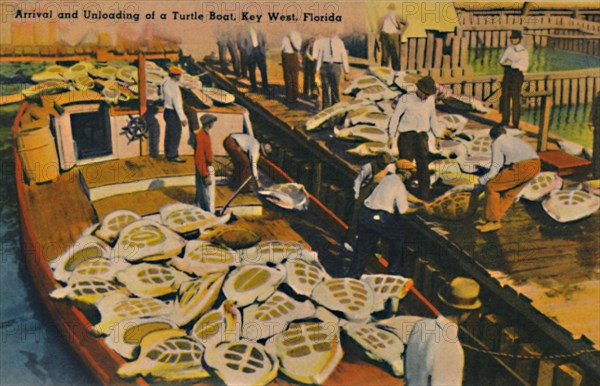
(531, 357)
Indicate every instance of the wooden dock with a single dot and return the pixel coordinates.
(538, 277)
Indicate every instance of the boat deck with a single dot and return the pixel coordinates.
(533, 261)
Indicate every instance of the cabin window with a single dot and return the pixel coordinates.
(91, 134)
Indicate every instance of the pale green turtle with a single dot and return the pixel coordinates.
(540, 186)
(376, 93)
(303, 276)
(151, 280)
(113, 223)
(127, 335)
(127, 74)
(250, 283)
(219, 325)
(195, 297)
(104, 72)
(385, 74)
(145, 240)
(86, 290)
(349, 296)
(570, 205)
(360, 83)
(45, 88)
(454, 206)
(218, 95)
(362, 132)
(85, 248)
(377, 119)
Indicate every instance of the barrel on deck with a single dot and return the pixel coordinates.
(38, 153)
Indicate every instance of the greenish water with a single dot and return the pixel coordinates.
(486, 62)
(568, 122)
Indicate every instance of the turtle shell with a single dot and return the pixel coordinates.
(379, 345)
(218, 96)
(386, 287)
(127, 74)
(328, 117)
(570, 205)
(113, 223)
(275, 251)
(273, 316)
(371, 108)
(452, 121)
(222, 324)
(203, 257)
(106, 72)
(85, 290)
(85, 248)
(111, 91)
(249, 283)
(127, 336)
(308, 352)
(243, 360)
(46, 88)
(592, 187)
(360, 83)
(540, 185)
(78, 69)
(197, 296)
(369, 149)
(450, 173)
(151, 280)
(83, 82)
(46, 76)
(454, 206)
(377, 119)
(481, 144)
(385, 74)
(376, 93)
(401, 326)
(303, 276)
(362, 132)
(101, 268)
(145, 240)
(118, 307)
(190, 81)
(167, 355)
(184, 218)
(350, 296)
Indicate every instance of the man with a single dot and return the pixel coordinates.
(332, 59)
(514, 163)
(309, 66)
(594, 126)
(173, 114)
(225, 43)
(515, 60)
(153, 127)
(290, 59)
(256, 55)
(244, 151)
(412, 118)
(380, 216)
(203, 158)
(391, 28)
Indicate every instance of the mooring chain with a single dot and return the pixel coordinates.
(531, 357)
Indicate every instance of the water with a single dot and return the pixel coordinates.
(32, 351)
(568, 122)
(486, 62)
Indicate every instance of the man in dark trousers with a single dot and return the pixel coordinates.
(412, 118)
(244, 151)
(391, 28)
(153, 127)
(173, 114)
(203, 158)
(333, 58)
(290, 59)
(309, 66)
(380, 217)
(515, 61)
(226, 43)
(256, 55)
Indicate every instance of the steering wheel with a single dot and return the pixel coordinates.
(136, 129)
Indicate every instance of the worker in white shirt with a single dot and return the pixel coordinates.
(333, 58)
(254, 45)
(173, 114)
(391, 28)
(290, 59)
(515, 61)
(244, 151)
(412, 118)
(514, 163)
(380, 217)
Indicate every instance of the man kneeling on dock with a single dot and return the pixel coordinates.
(514, 163)
(244, 151)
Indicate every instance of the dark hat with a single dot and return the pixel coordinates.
(427, 85)
(515, 34)
(207, 119)
(462, 293)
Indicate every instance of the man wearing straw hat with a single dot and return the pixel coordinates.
(391, 28)
(173, 114)
(412, 118)
(203, 158)
(515, 61)
(380, 217)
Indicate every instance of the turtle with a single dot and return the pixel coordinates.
(145, 240)
(190, 81)
(452, 121)
(183, 218)
(105, 72)
(117, 307)
(465, 103)
(113, 222)
(126, 337)
(350, 296)
(218, 96)
(222, 324)
(47, 75)
(378, 119)
(369, 149)
(360, 83)
(379, 344)
(362, 132)
(570, 205)
(540, 186)
(101, 268)
(275, 252)
(386, 287)
(454, 206)
(308, 351)
(110, 91)
(592, 187)
(333, 115)
(167, 355)
(127, 74)
(151, 280)
(273, 316)
(303, 276)
(450, 173)
(204, 257)
(85, 248)
(385, 74)
(78, 69)
(291, 196)
(86, 290)
(401, 326)
(250, 283)
(155, 79)
(196, 296)
(242, 360)
(376, 93)
(45, 88)
(371, 108)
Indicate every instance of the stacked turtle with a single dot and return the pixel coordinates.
(182, 296)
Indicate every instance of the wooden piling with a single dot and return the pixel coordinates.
(528, 368)
(568, 374)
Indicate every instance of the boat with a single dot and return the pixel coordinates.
(79, 157)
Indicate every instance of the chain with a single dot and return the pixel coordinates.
(532, 357)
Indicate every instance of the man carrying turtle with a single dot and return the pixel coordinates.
(244, 151)
(412, 118)
(514, 163)
(173, 114)
(380, 217)
(203, 158)
(515, 61)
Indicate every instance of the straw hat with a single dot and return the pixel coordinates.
(462, 293)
